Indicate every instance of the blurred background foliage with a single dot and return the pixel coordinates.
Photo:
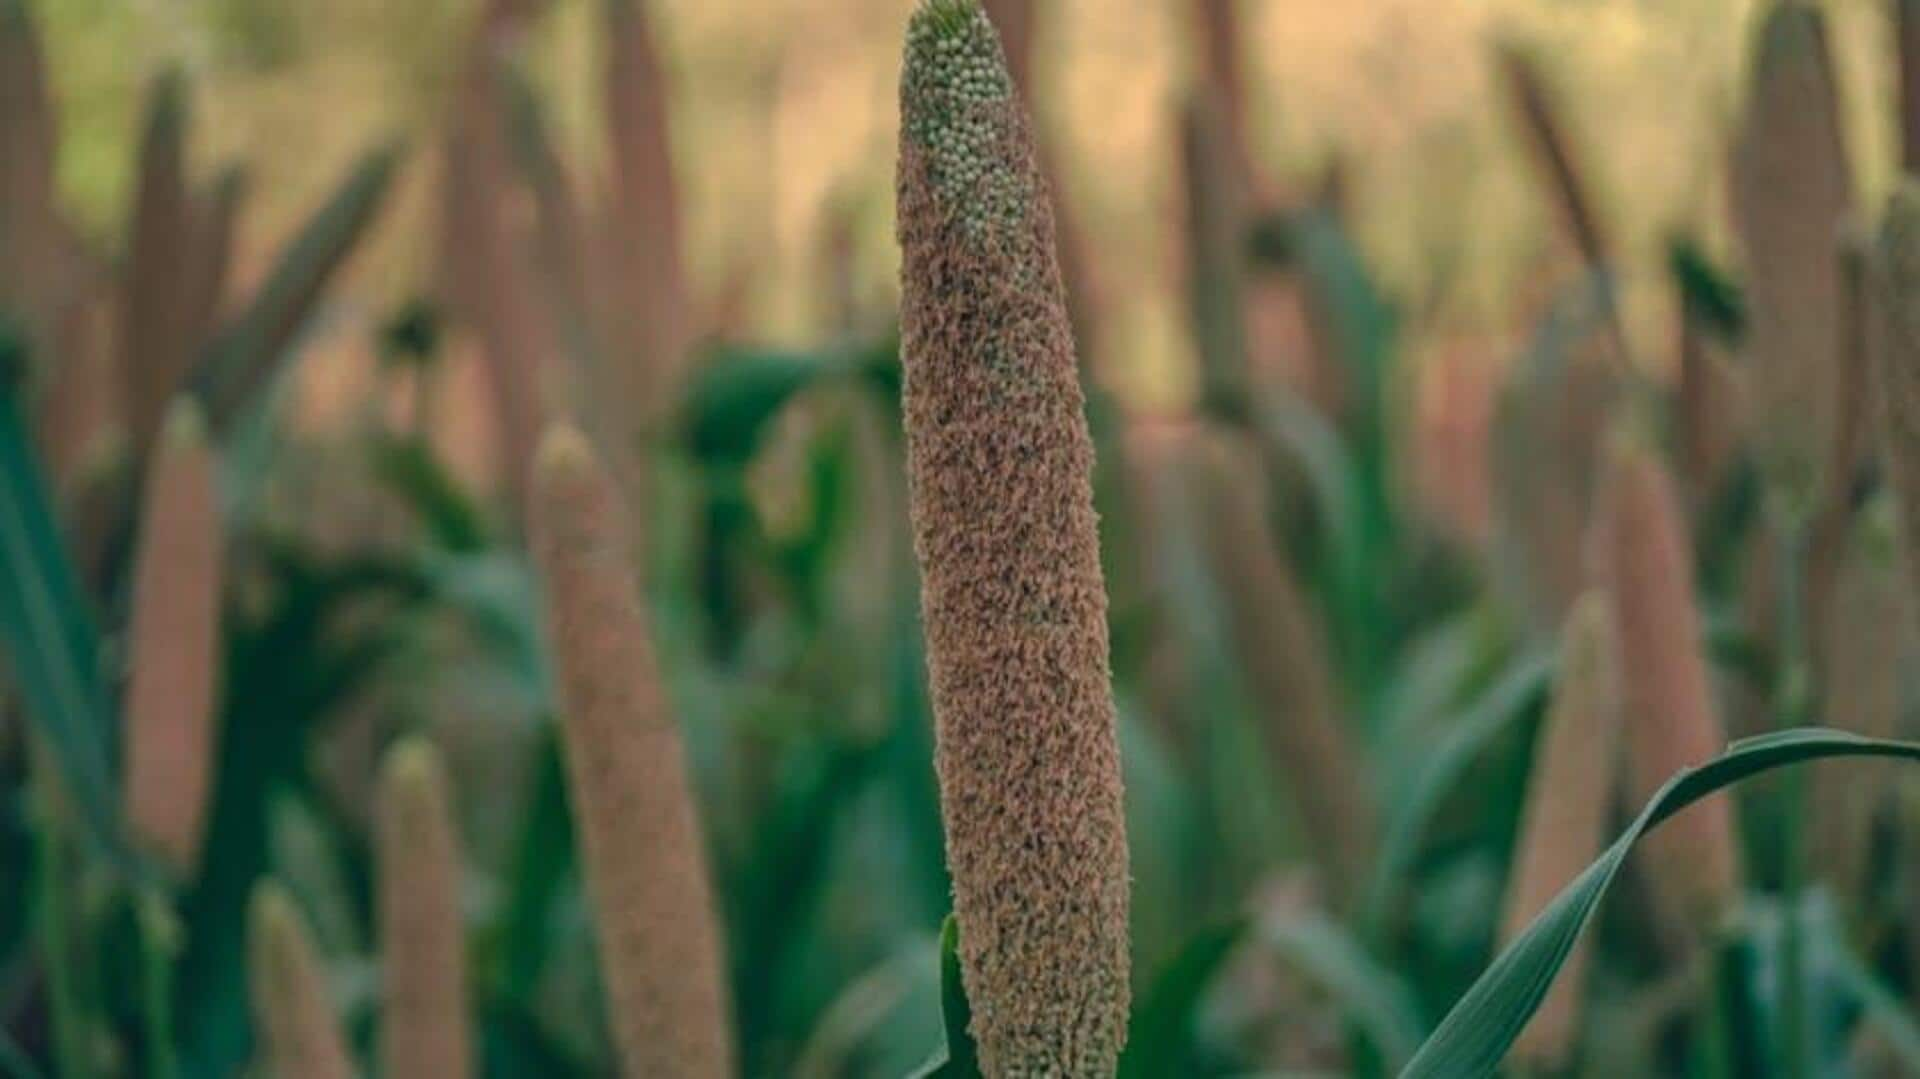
(783, 112)
(1415, 419)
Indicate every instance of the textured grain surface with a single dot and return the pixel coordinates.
(646, 869)
(1000, 465)
(174, 646)
(299, 1038)
(1671, 722)
(1283, 658)
(422, 938)
(1792, 188)
(1570, 794)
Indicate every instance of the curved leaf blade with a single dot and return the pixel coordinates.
(1483, 1024)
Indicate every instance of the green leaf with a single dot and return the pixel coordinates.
(1160, 1038)
(243, 357)
(1483, 1024)
(49, 637)
(959, 1058)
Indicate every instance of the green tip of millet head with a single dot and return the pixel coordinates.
(274, 921)
(1791, 31)
(953, 61)
(945, 17)
(563, 451)
(186, 423)
(411, 767)
(958, 110)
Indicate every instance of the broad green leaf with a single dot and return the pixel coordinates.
(1483, 1024)
(51, 645)
(244, 356)
(1160, 1038)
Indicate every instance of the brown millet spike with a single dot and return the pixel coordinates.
(1671, 724)
(1866, 631)
(646, 209)
(1000, 464)
(210, 254)
(1284, 660)
(1569, 797)
(174, 645)
(1832, 526)
(422, 938)
(1897, 362)
(486, 281)
(29, 221)
(1792, 189)
(299, 1036)
(154, 350)
(640, 838)
(1215, 229)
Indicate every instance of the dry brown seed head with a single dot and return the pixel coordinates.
(1000, 464)
(640, 836)
(1792, 189)
(174, 643)
(422, 938)
(300, 1038)
(1570, 794)
(1671, 721)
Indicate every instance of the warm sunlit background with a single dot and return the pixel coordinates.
(783, 121)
